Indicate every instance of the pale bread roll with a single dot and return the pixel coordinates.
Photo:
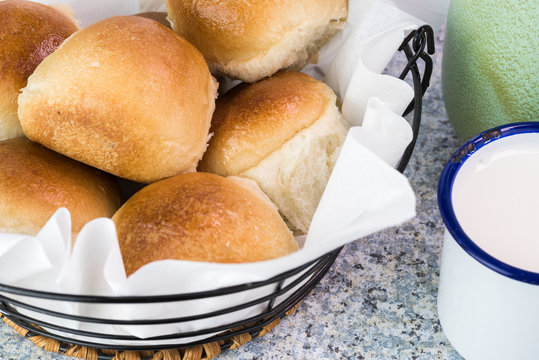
(285, 133)
(28, 33)
(35, 182)
(200, 217)
(249, 40)
(125, 95)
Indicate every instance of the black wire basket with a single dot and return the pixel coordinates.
(289, 288)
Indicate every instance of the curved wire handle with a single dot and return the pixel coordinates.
(423, 38)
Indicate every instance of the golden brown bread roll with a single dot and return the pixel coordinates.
(125, 95)
(200, 217)
(249, 40)
(283, 132)
(35, 182)
(28, 33)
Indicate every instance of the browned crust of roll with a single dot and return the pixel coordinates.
(200, 217)
(251, 121)
(35, 182)
(126, 95)
(252, 39)
(28, 33)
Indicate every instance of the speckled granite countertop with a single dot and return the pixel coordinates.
(378, 301)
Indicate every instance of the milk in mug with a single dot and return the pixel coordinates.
(496, 199)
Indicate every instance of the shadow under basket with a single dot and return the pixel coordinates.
(294, 285)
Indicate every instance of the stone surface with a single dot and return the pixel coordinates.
(378, 301)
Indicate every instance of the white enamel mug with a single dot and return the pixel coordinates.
(488, 309)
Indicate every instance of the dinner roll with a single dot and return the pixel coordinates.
(254, 39)
(285, 133)
(200, 217)
(35, 182)
(125, 95)
(28, 33)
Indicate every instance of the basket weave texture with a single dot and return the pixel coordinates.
(199, 352)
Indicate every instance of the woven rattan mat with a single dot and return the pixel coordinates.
(199, 352)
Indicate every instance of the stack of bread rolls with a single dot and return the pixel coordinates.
(132, 98)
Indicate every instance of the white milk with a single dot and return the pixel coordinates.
(496, 199)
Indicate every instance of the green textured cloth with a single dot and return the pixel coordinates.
(490, 69)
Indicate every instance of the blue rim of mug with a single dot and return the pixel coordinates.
(445, 187)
